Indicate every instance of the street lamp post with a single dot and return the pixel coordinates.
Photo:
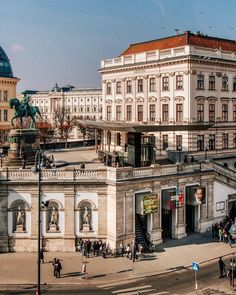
(39, 157)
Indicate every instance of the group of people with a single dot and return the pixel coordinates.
(221, 232)
(57, 267)
(100, 248)
(97, 247)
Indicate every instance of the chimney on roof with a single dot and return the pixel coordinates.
(176, 32)
(187, 32)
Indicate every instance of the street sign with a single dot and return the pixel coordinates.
(195, 266)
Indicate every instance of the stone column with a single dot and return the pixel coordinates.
(69, 237)
(102, 214)
(156, 235)
(3, 217)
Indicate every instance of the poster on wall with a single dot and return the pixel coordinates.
(195, 195)
(150, 204)
(177, 200)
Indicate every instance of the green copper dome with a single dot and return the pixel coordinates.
(5, 66)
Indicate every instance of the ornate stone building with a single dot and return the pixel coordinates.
(108, 203)
(83, 103)
(183, 80)
(8, 85)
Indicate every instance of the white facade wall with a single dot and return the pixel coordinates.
(220, 194)
(154, 64)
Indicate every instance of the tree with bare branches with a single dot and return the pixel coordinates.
(64, 123)
(47, 132)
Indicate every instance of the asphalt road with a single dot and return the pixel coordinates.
(176, 283)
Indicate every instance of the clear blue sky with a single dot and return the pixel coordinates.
(65, 40)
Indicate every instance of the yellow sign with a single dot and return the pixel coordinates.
(150, 204)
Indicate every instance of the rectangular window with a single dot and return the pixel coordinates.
(179, 82)
(200, 112)
(200, 81)
(234, 112)
(200, 142)
(179, 112)
(5, 114)
(118, 87)
(234, 84)
(225, 141)
(129, 86)
(224, 83)
(5, 95)
(165, 113)
(128, 113)
(108, 88)
(118, 138)
(140, 85)
(152, 112)
(234, 140)
(108, 113)
(165, 141)
(140, 113)
(224, 112)
(211, 142)
(165, 83)
(212, 83)
(179, 142)
(211, 112)
(152, 84)
(118, 113)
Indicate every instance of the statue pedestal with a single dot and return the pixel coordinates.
(86, 227)
(53, 228)
(19, 228)
(24, 143)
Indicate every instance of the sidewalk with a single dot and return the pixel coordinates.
(21, 268)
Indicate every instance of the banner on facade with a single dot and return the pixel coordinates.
(150, 204)
(177, 200)
(195, 195)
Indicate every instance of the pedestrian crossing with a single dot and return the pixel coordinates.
(118, 288)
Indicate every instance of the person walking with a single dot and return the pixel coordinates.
(54, 267)
(221, 267)
(59, 268)
(83, 271)
(41, 255)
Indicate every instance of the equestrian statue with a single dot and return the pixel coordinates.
(23, 110)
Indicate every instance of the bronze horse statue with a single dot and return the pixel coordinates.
(23, 109)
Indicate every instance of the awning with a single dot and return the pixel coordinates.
(129, 127)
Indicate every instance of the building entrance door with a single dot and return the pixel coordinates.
(190, 218)
(232, 209)
(166, 223)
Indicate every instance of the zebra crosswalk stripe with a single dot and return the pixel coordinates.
(132, 289)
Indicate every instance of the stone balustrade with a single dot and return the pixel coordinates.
(104, 174)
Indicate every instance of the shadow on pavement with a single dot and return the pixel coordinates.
(71, 274)
(192, 238)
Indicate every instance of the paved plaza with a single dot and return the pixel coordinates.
(173, 255)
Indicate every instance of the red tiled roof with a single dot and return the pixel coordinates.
(187, 38)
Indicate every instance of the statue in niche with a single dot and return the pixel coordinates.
(54, 216)
(86, 216)
(20, 217)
